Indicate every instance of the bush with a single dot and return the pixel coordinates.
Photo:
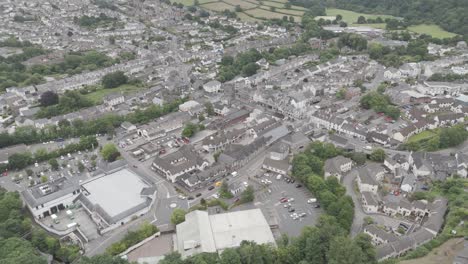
(132, 238)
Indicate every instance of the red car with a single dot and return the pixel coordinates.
(284, 200)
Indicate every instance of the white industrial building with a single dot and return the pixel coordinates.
(213, 233)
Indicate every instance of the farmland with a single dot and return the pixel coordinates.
(252, 10)
(433, 30)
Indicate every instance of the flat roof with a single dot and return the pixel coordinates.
(116, 192)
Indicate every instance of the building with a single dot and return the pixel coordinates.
(48, 198)
(296, 141)
(236, 155)
(173, 165)
(367, 180)
(203, 233)
(369, 202)
(277, 166)
(337, 166)
(114, 99)
(379, 236)
(116, 198)
(128, 127)
(212, 86)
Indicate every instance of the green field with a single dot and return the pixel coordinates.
(351, 17)
(253, 10)
(421, 136)
(433, 30)
(97, 96)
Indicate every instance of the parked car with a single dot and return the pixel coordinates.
(298, 185)
(190, 198)
(312, 200)
(198, 195)
(291, 210)
(211, 188)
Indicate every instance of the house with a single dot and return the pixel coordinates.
(114, 99)
(395, 162)
(192, 107)
(175, 164)
(279, 151)
(277, 166)
(236, 155)
(204, 233)
(393, 74)
(128, 127)
(369, 202)
(236, 188)
(296, 141)
(379, 236)
(221, 139)
(367, 180)
(212, 86)
(337, 166)
(408, 183)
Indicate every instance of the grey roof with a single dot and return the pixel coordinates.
(180, 160)
(366, 177)
(333, 165)
(382, 234)
(282, 165)
(338, 139)
(438, 209)
(370, 199)
(236, 152)
(34, 196)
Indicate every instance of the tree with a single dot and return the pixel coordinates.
(344, 251)
(361, 20)
(230, 256)
(343, 24)
(338, 17)
(48, 98)
(178, 216)
(115, 79)
(44, 179)
(248, 195)
(110, 152)
(238, 8)
(272, 8)
(54, 164)
(287, 5)
(81, 167)
(209, 109)
(224, 191)
(189, 130)
(378, 155)
(291, 19)
(341, 93)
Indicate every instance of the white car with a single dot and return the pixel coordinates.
(311, 200)
(182, 197)
(291, 200)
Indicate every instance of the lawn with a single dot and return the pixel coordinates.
(218, 6)
(241, 3)
(422, 136)
(433, 30)
(97, 96)
(184, 2)
(376, 25)
(245, 17)
(285, 11)
(266, 14)
(351, 17)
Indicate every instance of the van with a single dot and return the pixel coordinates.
(279, 177)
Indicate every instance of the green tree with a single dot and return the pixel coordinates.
(248, 195)
(81, 167)
(115, 79)
(189, 130)
(178, 216)
(54, 164)
(378, 155)
(341, 93)
(110, 152)
(361, 20)
(230, 256)
(224, 191)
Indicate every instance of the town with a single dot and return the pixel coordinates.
(151, 132)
